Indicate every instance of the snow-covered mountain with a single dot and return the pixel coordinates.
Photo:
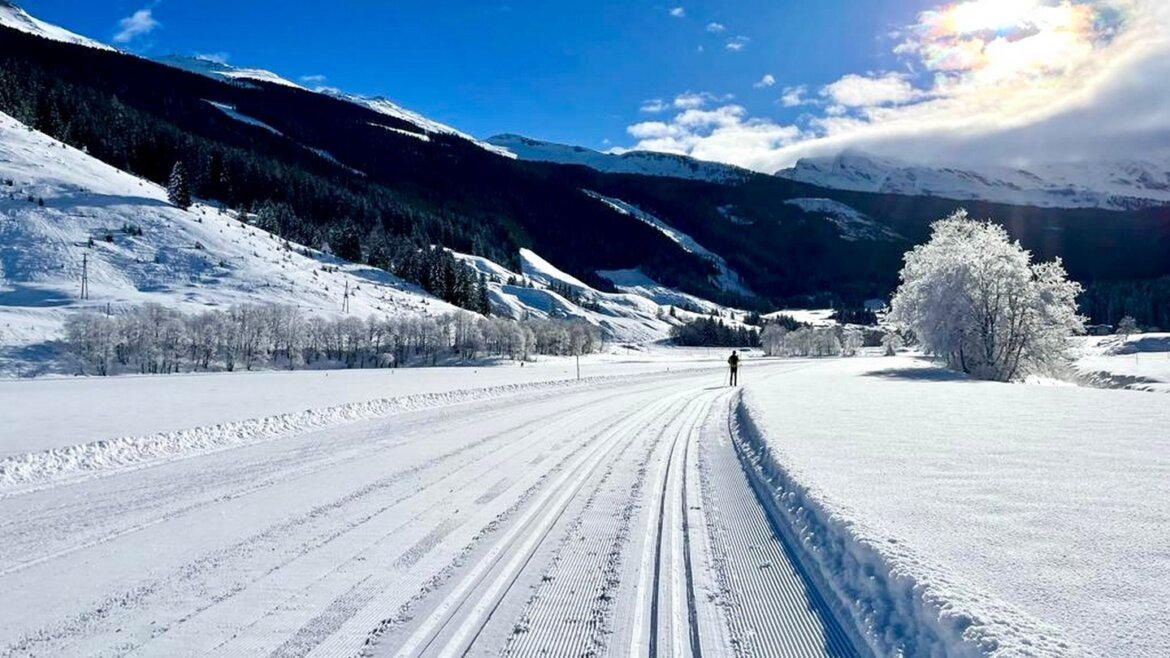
(632, 162)
(65, 215)
(218, 69)
(1107, 185)
(16, 18)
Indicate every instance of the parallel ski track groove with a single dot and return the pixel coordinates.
(570, 581)
(459, 645)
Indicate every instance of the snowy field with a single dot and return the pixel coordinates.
(1034, 518)
(33, 416)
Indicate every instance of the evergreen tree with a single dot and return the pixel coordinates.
(178, 187)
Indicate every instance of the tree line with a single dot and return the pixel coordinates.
(154, 339)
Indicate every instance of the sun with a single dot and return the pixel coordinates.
(978, 16)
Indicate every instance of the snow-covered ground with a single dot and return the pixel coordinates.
(607, 517)
(1141, 363)
(1027, 520)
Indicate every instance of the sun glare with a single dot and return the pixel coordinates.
(989, 15)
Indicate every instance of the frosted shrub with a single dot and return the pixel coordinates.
(974, 298)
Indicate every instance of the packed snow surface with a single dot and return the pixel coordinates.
(1021, 520)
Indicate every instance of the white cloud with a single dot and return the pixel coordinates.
(794, 96)
(678, 12)
(716, 28)
(654, 106)
(870, 90)
(768, 80)
(737, 44)
(1052, 81)
(135, 25)
(315, 79)
(691, 100)
(220, 57)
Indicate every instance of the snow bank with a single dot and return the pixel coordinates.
(896, 602)
(1141, 363)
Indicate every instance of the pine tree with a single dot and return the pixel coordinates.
(178, 189)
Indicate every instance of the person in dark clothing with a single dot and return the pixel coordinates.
(733, 361)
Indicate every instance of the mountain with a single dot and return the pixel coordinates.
(1107, 185)
(632, 162)
(66, 217)
(376, 183)
(13, 17)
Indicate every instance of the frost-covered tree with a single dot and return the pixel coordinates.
(852, 341)
(891, 343)
(974, 298)
(179, 187)
(1127, 327)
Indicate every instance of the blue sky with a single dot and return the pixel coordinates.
(754, 82)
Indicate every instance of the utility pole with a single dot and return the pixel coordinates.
(345, 300)
(85, 276)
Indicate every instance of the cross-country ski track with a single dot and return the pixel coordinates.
(609, 519)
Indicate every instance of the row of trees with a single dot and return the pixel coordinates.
(154, 339)
(713, 332)
(806, 341)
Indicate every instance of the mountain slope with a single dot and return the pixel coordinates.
(1106, 185)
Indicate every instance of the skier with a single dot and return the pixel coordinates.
(733, 361)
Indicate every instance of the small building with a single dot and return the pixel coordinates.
(1099, 330)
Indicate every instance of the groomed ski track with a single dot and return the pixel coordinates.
(614, 519)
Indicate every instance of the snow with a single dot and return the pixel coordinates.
(813, 317)
(1120, 185)
(17, 19)
(243, 118)
(190, 260)
(419, 136)
(1141, 363)
(391, 109)
(981, 518)
(486, 525)
(645, 163)
(853, 224)
(638, 314)
(635, 282)
(727, 279)
(219, 70)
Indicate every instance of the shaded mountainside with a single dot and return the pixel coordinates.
(368, 182)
